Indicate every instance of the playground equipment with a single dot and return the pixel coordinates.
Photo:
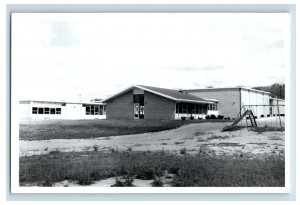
(247, 112)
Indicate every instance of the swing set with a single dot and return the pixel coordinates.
(248, 112)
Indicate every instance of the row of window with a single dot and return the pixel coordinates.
(95, 110)
(193, 108)
(46, 110)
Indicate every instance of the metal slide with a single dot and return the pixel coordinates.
(241, 117)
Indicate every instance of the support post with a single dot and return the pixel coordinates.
(278, 113)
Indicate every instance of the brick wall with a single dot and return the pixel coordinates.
(157, 107)
(229, 100)
(120, 107)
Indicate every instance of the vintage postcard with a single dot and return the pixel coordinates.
(150, 102)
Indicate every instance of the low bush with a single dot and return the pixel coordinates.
(268, 115)
(183, 151)
(213, 117)
(192, 117)
(262, 116)
(157, 183)
(128, 182)
(226, 118)
(200, 118)
(220, 117)
(183, 118)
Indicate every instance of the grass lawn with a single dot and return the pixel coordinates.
(197, 170)
(81, 129)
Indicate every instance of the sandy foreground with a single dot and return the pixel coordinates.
(199, 137)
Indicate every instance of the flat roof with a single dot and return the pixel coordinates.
(47, 101)
(228, 88)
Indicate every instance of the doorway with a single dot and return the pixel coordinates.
(138, 106)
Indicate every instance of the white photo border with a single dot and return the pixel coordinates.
(61, 190)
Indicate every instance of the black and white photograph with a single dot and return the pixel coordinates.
(150, 102)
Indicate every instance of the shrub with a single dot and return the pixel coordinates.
(213, 117)
(96, 148)
(146, 175)
(183, 118)
(220, 117)
(173, 170)
(255, 117)
(53, 152)
(200, 118)
(128, 182)
(157, 183)
(192, 117)
(183, 151)
(282, 115)
(85, 180)
(226, 118)
(207, 117)
(268, 115)
(262, 116)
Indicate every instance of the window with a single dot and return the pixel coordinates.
(104, 110)
(94, 109)
(52, 111)
(97, 110)
(101, 109)
(58, 111)
(46, 110)
(41, 110)
(180, 108)
(34, 110)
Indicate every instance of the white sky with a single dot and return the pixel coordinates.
(65, 56)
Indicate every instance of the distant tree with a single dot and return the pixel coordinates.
(277, 90)
(96, 100)
(210, 86)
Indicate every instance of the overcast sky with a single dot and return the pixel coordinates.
(84, 56)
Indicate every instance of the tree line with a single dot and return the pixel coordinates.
(277, 90)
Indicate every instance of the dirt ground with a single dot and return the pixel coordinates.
(191, 138)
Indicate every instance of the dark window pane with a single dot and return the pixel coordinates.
(58, 111)
(52, 111)
(46, 110)
(34, 110)
(41, 110)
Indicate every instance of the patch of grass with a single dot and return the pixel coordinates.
(157, 183)
(275, 138)
(258, 143)
(189, 170)
(183, 151)
(78, 129)
(128, 182)
(199, 133)
(266, 129)
(218, 137)
(178, 143)
(96, 148)
(229, 144)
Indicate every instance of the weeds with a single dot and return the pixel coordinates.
(157, 183)
(188, 170)
(127, 182)
(96, 148)
(183, 151)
